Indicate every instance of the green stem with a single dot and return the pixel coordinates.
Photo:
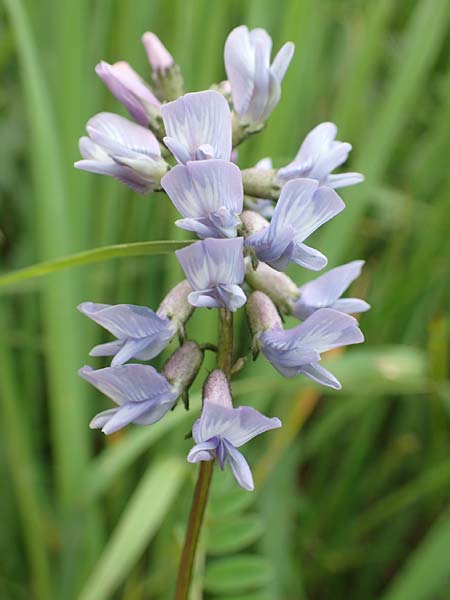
(224, 362)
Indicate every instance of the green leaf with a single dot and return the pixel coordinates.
(226, 497)
(237, 574)
(252, 596)
(141, 519)
(426, 574)
(233, 535)
(91, 256)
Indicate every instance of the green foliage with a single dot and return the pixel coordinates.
(352, 494)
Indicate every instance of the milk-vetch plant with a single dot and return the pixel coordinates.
(183, 144)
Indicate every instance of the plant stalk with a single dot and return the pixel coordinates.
(224, 362)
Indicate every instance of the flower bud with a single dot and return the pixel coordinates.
(252, 222)
(176, 306)
(262, 316)
(261, 183)
(166, 75)
(279, 287)
(182, 367)
(158, 55)
(217, 389)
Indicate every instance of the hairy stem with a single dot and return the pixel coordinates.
(224, 362)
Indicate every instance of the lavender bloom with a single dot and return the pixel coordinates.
(158, 56)
(198, 126)
(222, 429)
(255, 83)
(302, 208)
(297, 350)
(326, 291)
(320, 154)
(214, 269)
(143, 395)
(129, 89)
(124, 150)
(140, 332)
(262, 206)
(209, 194)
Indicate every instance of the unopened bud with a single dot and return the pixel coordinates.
(262, 313)
(167, 78)
(278, 286)
(261, 183)
(217, 389)
(182, 367)
(176, 306)
(252, 222)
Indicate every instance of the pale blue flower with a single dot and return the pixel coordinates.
(143, 395)
(255, 83)
(326, 291)
(140, 332)
(222, 429)
(319, 154)
(302, 208)
(208, 194)
(124, 150)
(215, 269)
(297, 350)
(198, 126)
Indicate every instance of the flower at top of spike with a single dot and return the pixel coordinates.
(129, 89)
(297, 351)
(209, 195)
(124, 150)
(143, 395)
(319, 154)
(255, 83)
(214, 269)
(302, 208)
(158, 56)
(198, 126)
(221, 429)
(326, 291)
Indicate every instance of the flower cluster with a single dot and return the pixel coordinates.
(184, 145)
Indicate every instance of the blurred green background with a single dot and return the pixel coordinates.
(352, 496)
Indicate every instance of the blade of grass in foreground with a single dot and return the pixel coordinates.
(63, 340)
(426, 573)
(90, 256)
(157, 490)
(22, 467)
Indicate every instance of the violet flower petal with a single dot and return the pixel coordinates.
(209, 194)
(197, 120)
